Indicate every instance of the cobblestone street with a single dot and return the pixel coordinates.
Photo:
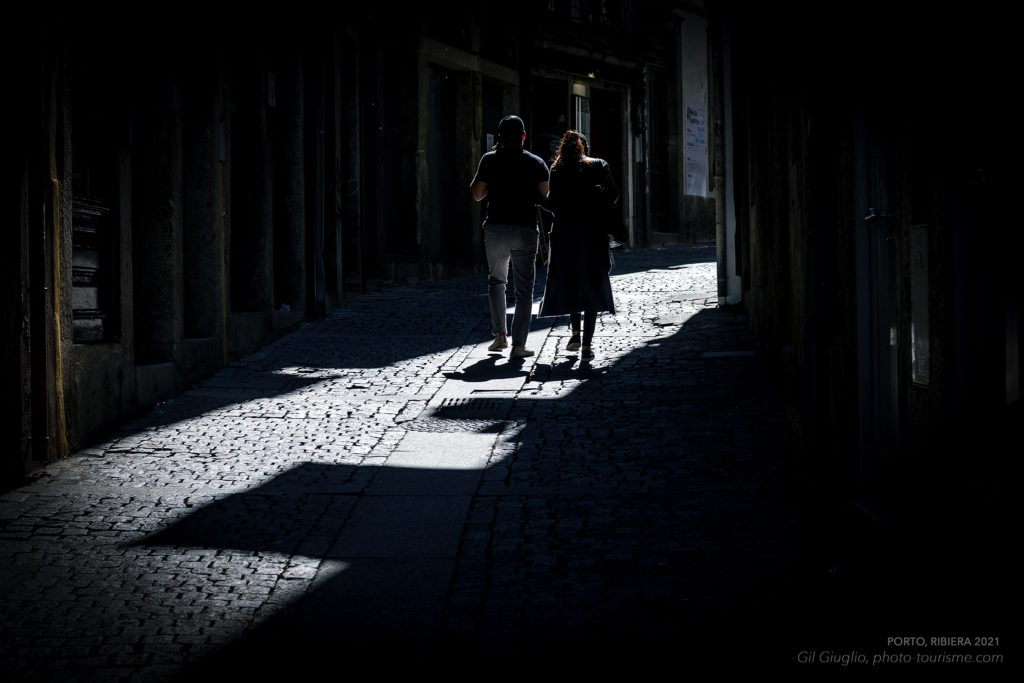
(376, 490)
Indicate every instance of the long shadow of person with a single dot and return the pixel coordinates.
(487, 369)
(626, 526)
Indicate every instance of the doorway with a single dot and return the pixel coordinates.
(455, 238)
(877, 303)
(606, 133)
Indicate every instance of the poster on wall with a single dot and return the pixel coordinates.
(696, 161)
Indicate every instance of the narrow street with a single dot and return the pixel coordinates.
(377, 492)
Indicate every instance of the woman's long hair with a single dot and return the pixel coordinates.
(570, 152)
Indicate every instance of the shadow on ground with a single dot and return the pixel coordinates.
(648, 520)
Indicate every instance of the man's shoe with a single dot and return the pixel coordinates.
(574, 342)
(586, 353)
(520, 352)
(500, 342)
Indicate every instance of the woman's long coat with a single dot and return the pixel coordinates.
(581, 200)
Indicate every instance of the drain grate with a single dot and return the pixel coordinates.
(464, 408)
(464, 414)
(448, 425)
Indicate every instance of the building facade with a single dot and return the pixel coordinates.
(176, 196)
(865, 232)
(179, 193)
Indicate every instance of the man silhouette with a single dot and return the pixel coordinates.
(514, 181)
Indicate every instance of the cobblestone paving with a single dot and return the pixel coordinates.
(632, 512)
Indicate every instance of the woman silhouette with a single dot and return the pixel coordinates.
(581, 192)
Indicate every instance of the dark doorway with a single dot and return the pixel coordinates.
(606, 122)
(549, 117)
(396, 231)
(878, 301)
(441, 215)
(387, 230)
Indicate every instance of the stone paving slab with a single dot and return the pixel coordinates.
(402, 526)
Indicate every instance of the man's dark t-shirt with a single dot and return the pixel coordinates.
(512, 178)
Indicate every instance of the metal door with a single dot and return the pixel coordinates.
(877, 301)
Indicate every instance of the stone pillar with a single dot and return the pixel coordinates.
(336, 134)
(157, 230)
(250, 238)
(203, 222)
(351, 126)
(289, 183)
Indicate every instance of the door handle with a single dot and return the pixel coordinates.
(874, 214)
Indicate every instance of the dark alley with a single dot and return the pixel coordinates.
(263, 417)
